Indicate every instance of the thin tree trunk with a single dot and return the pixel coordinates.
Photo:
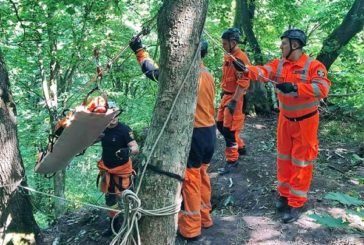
(244, 15)
(257, 99)
(180, 25)
(16, 214)
(351, 25)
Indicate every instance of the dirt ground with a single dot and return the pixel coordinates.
(243, 201)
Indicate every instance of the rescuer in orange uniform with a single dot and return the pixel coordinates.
(301, 83)
(196, 188)
(230, 116)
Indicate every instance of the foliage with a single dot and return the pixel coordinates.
(329, 221)
(347, 218)
(344, 199)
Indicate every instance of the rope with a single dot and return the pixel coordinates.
(101, 71)
(64, 199)
(133, 212)
(237, 62)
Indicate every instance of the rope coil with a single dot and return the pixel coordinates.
(133, 213)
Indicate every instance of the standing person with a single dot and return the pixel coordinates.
(196, 188)
(230, 117)
(301, 83)
(115, 166)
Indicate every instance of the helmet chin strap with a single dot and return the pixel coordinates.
(231, 48)
(291, 49)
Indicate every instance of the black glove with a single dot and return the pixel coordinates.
(123, 153)
(231, 106)
(136, 44)
(239, 65)
(287, 87)
(222, 94)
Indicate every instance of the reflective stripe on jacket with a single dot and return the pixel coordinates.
(308, 74)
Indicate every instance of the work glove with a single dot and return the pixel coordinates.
(136, 44)
(231, 106)
(222, 94)
(287, 87)
(239, 65)
(123, 153)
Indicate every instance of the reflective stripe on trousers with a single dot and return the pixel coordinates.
(189, 218)
(297, 147)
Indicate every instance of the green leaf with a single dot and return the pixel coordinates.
(359, 212)
(344, 199)
(329, 221)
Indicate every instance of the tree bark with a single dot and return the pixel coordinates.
(257, 99)
(16, 214)
(180, 25)
(351, 25)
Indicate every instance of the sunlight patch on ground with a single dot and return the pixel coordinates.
(259, 126)
(262, 229)
(354, 220)
(306, 222)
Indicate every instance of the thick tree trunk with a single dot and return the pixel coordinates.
(16, 215)
(180, 24)
(257, 99)
(351, 25)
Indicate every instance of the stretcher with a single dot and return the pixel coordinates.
(83, 130)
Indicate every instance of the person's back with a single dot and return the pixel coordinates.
(205, 110)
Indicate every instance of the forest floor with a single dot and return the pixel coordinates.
(243, 201)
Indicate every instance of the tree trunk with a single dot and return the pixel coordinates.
(16, 214)
(244, 14)
(257, 99)
(351, 25)
(180, 24)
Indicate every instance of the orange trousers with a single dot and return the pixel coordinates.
(297, 147)
(196, 192)
(229, 126)
(113, 182)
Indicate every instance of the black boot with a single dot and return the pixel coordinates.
(117, 225)
(242, 151)
(282, 204)
(291, 214)
(107, 232)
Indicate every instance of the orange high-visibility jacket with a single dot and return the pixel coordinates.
(308, 74)
(232, 78)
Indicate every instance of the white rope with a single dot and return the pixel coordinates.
(64, 199)
(133, 212)
(234, 58)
